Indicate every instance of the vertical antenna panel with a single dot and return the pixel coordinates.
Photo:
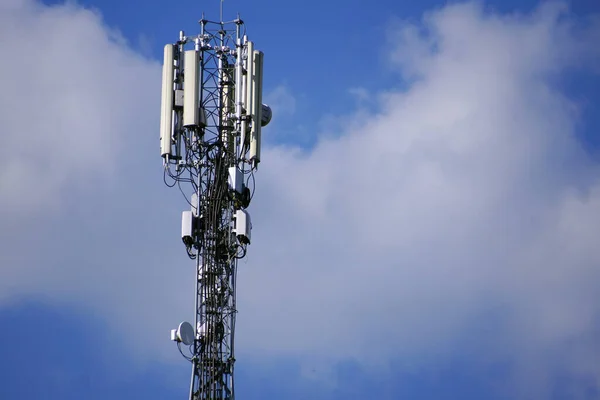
(227, 104)
(256, 107)
(191, 91)
(239, 100)
(166, 106)
(240, 95)
(249, 81)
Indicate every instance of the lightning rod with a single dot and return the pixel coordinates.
(210, 137)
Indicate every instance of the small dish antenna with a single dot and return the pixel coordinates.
(184, 333)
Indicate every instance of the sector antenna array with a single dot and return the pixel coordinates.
(210, 140)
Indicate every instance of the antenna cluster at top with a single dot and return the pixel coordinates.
(185, 97)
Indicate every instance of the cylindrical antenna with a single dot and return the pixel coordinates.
(191, 110)
(256, 108)
(249, 85)
(166, 107)
(239, 95)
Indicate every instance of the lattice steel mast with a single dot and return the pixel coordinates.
(210, 134)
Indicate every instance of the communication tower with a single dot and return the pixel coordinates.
(210, 137)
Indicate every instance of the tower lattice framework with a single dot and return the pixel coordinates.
(211, 119)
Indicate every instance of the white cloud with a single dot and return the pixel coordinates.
(79, 111)
(465, 194)
(71, 100)
(281, 100)
(283, 104)
(360, 94)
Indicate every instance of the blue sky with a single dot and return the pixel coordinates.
(426, 220)
(310, 40)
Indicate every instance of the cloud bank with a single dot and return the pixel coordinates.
(460, 215)
(464, 202)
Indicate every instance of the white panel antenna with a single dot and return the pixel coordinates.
(256, 107)
(249, 84)
(191, 90)
(166, 106)
(228, 108)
